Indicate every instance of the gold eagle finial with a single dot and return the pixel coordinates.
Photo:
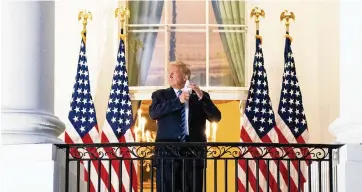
(257, 13)
(286, 15)
(85, 15)
(123, 14)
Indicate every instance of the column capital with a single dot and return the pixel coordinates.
(347, 129)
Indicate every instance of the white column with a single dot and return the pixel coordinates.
(28, 73)
(28, 126)
(348, 127)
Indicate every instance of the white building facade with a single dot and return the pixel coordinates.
(30, 126)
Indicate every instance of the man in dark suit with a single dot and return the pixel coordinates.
(181, 117)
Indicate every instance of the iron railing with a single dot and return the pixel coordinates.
(199, 167)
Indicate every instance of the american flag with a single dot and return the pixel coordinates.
(82, 116)
(291, 119)
(259, 126)
(117, 128)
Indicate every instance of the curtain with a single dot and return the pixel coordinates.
(141, 45)
(232, 12)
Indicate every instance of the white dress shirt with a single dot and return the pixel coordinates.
(186, 111)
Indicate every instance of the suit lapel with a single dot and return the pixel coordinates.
(191, 103)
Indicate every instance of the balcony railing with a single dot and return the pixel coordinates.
(199, 167)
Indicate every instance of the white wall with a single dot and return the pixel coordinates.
(315, 48)
(329, 60)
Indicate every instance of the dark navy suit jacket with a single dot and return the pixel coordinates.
(166, 109)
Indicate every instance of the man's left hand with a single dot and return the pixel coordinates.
(197, 90)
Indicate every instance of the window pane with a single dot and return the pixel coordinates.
(146, 12)
(146, 44)
(227, 59)
(227, 47)
(146, 58)
(227, 12)
(190, 47)
(186, 12)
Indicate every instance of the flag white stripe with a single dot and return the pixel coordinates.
(74, 136)
(108, 132)
(94, 135)
(125, 177)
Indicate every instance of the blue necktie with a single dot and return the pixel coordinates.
(183, 120)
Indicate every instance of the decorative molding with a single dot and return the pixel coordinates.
(347, 129)
(25, 126)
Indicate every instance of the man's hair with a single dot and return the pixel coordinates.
(184, 68)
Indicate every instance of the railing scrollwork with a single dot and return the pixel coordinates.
(200, 150)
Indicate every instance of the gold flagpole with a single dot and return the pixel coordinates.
(286, 15)
(257, 13)
(85, 15)
(123, 14)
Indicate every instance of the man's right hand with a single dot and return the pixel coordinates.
(184, 96)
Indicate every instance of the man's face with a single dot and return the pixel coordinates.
(175, 77)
